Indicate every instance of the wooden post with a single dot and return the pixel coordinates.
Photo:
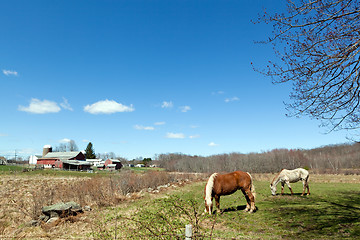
(188, 232)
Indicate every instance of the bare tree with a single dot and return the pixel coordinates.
(317, 43)
(70, 146)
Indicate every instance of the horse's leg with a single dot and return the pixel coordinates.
(307, 186)
(217, 202)
(251, 198)
(304, 187)
(288, 184)
(248, 207)
(282, 188)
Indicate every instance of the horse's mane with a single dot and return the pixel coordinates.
(209, 187)
(277, 175)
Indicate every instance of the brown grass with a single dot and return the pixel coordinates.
(22, 198)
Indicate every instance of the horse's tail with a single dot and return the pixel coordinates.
(252, 187)
(307, 179)
(209, 187)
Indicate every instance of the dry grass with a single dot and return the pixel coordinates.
(22, 198)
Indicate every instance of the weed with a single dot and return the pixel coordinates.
(164, 219)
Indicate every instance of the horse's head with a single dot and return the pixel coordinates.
(273, 189)
(208, 205)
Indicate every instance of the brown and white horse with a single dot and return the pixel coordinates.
(226, 184)
(291, 176)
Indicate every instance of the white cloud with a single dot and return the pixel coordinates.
(85, 140)
(139, 127)
(212, 144)
(9, 72)
(185, 108)
(218, 93)
(3, 135)
(66, 105)
(40, 107)
(194, 136)
(175, 135)
(159, 123)
(64, 140)
(167, 104)
(232, 99)
(107, 107)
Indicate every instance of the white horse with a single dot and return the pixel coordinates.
(290, 176)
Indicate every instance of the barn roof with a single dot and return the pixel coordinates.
(114, 160)
(61, 155)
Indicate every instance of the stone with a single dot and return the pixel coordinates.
(87, 208)
(62, 209)
(51, 220)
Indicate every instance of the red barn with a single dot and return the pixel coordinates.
(65, 160)
(109, 163)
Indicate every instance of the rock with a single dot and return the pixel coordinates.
(53, 214)
(87, 208)
(44, 218)
(51, 220)
(33, 223)
(62, 209)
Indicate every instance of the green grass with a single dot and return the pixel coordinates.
(10, 168)
(331, 212)
(25, 171)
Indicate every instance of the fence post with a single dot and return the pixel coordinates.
(188, 232)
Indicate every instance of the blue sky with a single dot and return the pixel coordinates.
(140, 78)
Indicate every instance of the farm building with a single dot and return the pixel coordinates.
(100, 167)
(3, 161)
(112, 162)
(64, 160)
(95, 162)
(76, 165)
(33, 159)
(111, 167)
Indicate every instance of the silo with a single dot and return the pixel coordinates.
(46, 149)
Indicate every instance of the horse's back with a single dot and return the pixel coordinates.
(295, 174)
(304, 173)
(229, 183)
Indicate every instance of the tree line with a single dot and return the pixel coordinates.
(343, 158)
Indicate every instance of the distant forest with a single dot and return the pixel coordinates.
(344, 158)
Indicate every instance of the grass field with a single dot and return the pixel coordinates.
(331, 212)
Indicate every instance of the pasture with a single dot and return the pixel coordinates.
(331, 211)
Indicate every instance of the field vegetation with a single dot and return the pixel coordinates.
(157, 203)
(124, 208)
